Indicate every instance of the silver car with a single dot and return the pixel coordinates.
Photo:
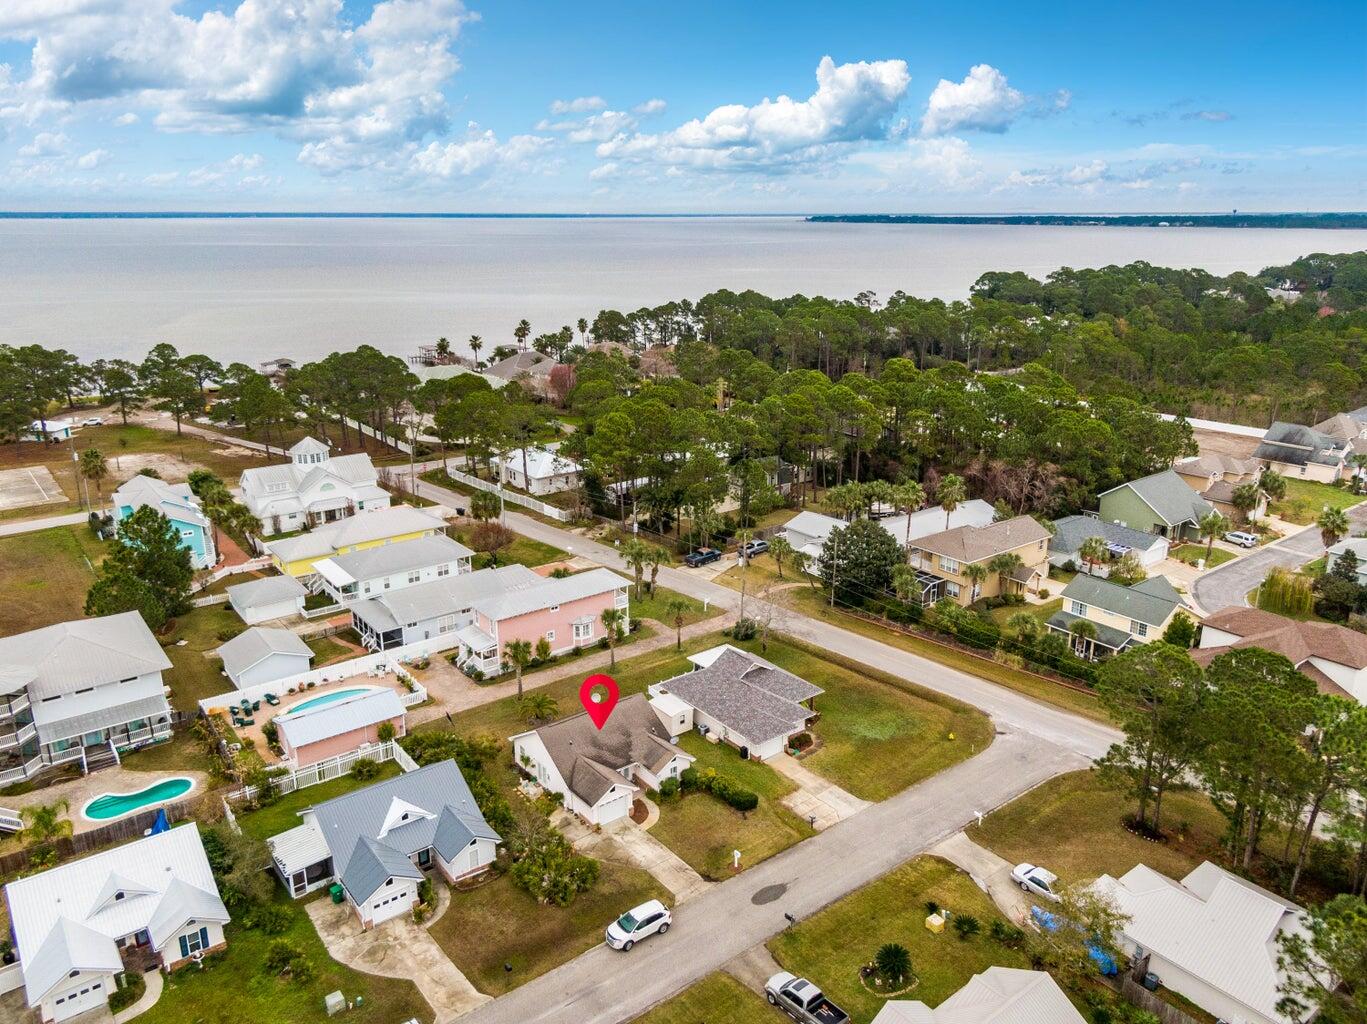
(1035, 879)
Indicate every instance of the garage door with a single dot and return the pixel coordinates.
(383, 908)
(617, 807)
(78, 1000)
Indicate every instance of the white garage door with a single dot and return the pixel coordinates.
(617, 807)
(382, 908)
(78, 1000)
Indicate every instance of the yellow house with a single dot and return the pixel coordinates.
(295, 556)
(944, 559)
(1120, 616)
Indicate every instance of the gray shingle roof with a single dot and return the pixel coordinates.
(266, 591)
(1071, 532)
(1171, 497)
(1108, 636)
(747, 695)
(175, 501)
(1150, 601)
(258, 643)
(975, 543)
(371, 864)
(1298, 445)
(75, 655)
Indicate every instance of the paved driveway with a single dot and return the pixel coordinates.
(816, 799)
(626, 842)
(989, 872)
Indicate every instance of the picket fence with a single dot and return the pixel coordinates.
(11, 977)
(511, 497)
(229, 570)
(325, 771)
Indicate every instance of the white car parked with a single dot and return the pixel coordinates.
(1244, 540)
(650, 918)
(93, 421)
(1035, 879)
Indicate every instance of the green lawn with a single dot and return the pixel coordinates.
(717, 999)
(1305, 499)
(327, 650)
(652, 606)
(1192, 553)
(45, 575)
(194, 676)
(1072, 825)
(830, 947)
(236, 990)
(522, 550)
(181, 751)
(703, 830)
(284, 813)
(498, 923)
(1040, 611)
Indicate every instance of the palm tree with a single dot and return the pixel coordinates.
(1004, 565)
(612, 622)
(1084, 636)
(583, 326)
(676, 608)
(443, 348)
(656, 556)
(1024, 626)
(893, 962)
(476, 343)
(780, 548)
(1093, 551)
(636, 553)
(519, 652)
(44, 820)
(951, 493)
(1245, 498)
(538, 707)
(1210, 526)
(94, 468)
(1359, 464)
(975, 573)
(520, 332)
(1333, 524)
(908, 497)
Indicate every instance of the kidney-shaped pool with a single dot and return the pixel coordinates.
(115, 805)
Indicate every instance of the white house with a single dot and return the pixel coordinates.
(263, 654)
(150, 903)
(1334, 656)
(1212, 937)
(744, 700)
(598, 772)
(312, 488)
(271, 597)
(974, 512)
(807, 532)
(379, 841)
(999, 995)
(371, 571)
(537, 470)
(80, 691)
(1358, 546)
(56, 430)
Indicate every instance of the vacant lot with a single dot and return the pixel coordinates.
(717, 999)
(44, 576)
(30, 486)
(1305, 499)
(829, 948)
(703, 830)
(1072, 825)
(498, 923)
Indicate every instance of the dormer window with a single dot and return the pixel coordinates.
(118, 896)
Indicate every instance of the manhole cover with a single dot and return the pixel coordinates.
(768, 894)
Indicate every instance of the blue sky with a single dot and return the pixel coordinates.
(414, 105)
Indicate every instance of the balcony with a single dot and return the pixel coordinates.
(20, 772)
(19, 737)
(17, 702)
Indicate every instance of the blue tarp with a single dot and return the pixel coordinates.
(161, 824)
(1105, 963)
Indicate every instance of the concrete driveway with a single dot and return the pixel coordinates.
(989, 872)
(397, 949)
(627, 843)
(817, 799)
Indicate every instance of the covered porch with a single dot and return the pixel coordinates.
(1107, 640)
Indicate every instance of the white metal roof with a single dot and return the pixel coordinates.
(75, 655)
(298, 848)
(999, 995)
(550, 591)
(266, 591)
(419, 553)
(328, 720)
(364, 528)
(542, 463)
(444, 596)
(175, 501)
(258, 643)
(974, 512)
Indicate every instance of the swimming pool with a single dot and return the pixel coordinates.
(116, 805)
(327, 698)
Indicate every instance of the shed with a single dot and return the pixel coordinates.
(273, 597)
(263, 655)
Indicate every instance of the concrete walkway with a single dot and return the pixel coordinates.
(753, 968)
(989, 872)
(625, 842)
(398, 948)
(153, 980)
(817, 799)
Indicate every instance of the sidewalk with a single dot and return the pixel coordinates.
(47, 523)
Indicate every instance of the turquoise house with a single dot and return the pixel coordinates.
(178, 504)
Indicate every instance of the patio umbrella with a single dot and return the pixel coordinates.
(161, 824)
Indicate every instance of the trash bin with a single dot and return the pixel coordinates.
(1152, 981)
(335, 890)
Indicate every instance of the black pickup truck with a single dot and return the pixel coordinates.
(701, 557)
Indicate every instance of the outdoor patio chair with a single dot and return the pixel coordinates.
(272, 700)
(256, 705)
(249, 721)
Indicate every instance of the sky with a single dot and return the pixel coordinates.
(739, 107)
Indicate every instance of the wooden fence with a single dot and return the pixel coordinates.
(1146, 1000)
(131, 827)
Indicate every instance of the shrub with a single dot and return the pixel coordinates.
(744, 629)
(801, 741)
(427, 894)
(131, 987)
(669, 789)
(269, 918)
(385, 732)
(365, 769)
(967, 926)
(281, 956)
(893, 962)
(1007, 934)
(932, 907)
(227, 633)
(552, 872)
(603, 643)
(724, 789)
(1069, 566)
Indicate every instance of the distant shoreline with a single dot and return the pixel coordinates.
(1133, 220)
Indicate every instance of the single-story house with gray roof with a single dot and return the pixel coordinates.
(379, 841)
(1161, 503)
(596, 771)
(744, 700)
(1071, 532)
(271, 597)
(262, 654)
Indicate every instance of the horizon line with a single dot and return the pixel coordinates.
(563, 215)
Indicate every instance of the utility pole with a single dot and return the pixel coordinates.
(835, 557)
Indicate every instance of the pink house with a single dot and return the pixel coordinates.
(318, 733)
(566, 612)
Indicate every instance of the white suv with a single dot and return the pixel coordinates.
(651, 918)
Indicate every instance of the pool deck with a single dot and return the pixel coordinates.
(79, 792)
(386, 680)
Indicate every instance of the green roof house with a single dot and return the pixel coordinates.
(1162, 503)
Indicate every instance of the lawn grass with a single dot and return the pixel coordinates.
(1305, 499)
(327, 650)
(498, 923)
(284, 813)
(1040, 611)
(236, 990)
(830, 947)
(652, 606)
(179, 752)
(45, 575)
(194, 676)
(523, 550)
(717, 999)
(703, 830)
(1192, 553)
(1072, 825)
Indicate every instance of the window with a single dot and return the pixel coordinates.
(949, 564)
(444, 570)
(1139, 628)
(583, 629)
(550, 636)
(1077, 608)
(414, 576)
(195, 942)
(951, 589)
(555, 607)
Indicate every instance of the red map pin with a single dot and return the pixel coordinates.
(598, 694)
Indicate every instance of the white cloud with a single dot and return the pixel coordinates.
(1081, 174)
(233, 171)
(594, 128)
(89, 161)
(649, 108)
(578, 105)
(852, 103)
(941, 163)
(983, 101)
(45, 144)
(160, 179)
(124, 120)
(478, 153)
(1208, 115)
(602, 171)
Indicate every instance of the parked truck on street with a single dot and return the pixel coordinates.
(801, 1000)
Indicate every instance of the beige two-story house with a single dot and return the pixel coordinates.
(942, 560)
(1120, 616)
